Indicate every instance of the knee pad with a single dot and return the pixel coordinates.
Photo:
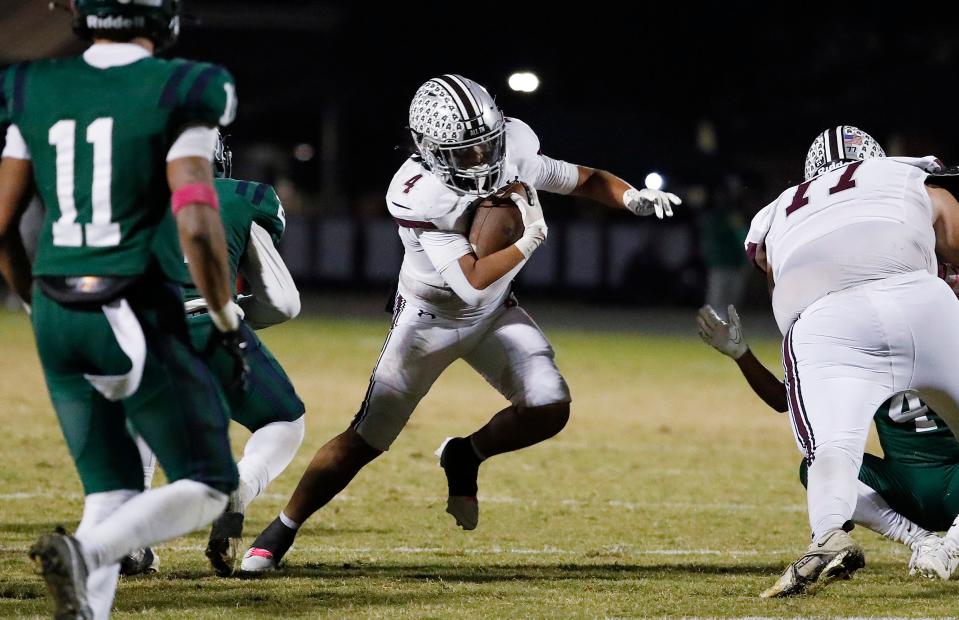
(541, 384)
(383, 415)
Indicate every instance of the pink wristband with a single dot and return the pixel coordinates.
(195, 193)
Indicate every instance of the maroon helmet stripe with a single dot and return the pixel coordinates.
(456, 89)
(838, 146)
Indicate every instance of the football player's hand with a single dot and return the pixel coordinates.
(227, 318)
(235, 345)
(650, 201)
(725, 337)
(533, 221)
(228, 337)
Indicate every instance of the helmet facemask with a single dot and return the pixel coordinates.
(222, 158)
(460, 133)
(474, 166)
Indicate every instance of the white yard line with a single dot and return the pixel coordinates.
(496, 499)
(617, 550)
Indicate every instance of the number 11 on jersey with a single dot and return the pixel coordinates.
(101, 231)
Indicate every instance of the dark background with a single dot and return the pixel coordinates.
(631, 90)
(621, 89)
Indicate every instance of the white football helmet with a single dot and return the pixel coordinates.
(460, 133)
(838, 146)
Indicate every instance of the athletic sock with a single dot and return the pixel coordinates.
(267, 453)
(288, 522)
(151, 517)
(149, 461)
(102, 582)
(874, 513)
(832, 491)
(951, 539)
(461, 463)
(277, 538)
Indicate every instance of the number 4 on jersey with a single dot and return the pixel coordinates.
(409, 184)
(100, 232)
(845, 182)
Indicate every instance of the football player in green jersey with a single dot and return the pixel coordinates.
(110, 140)
(912, 491)
(266, 403)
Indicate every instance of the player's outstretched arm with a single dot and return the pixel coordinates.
(16, 178)
(196, 209)
(610, 190)
(728, 339)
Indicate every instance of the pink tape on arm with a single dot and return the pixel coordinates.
(195, 193)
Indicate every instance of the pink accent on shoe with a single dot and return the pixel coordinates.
(259, 553)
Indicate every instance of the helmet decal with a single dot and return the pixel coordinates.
(459, 132)
(837, 146)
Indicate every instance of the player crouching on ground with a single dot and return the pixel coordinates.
(265, 401)
(453, 305)
(905, 495)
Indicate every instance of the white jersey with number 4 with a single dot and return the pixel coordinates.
(866, 221)
(434, 221)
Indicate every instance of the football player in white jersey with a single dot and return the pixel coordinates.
(851, 258)
(905, 495)
(452, 305)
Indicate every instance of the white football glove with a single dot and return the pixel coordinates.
(649, 201)
(727, 338)
(533, 221)
(226, 319)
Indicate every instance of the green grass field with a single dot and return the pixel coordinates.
(673, 492)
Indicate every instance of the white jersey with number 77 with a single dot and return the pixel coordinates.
(865, 221)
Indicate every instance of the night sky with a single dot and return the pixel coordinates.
(624, 90)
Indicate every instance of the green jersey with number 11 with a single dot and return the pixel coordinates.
(98, 138)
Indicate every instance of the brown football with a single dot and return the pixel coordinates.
(497, 222)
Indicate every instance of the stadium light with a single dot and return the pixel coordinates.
(654, 180)
(304, 152)
(524, 82)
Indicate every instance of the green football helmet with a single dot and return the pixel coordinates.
(157, 20)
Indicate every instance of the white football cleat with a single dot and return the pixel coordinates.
(930, 559)
(257, 561)
(838, 556)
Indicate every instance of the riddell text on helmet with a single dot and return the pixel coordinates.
(115, 22)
